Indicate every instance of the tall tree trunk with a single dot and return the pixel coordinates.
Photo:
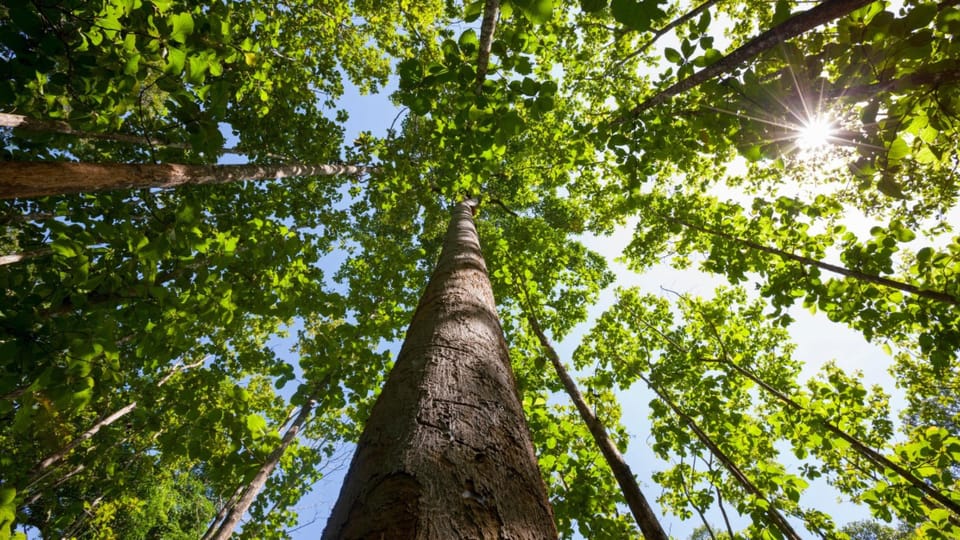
(491, 11)
(232, 519)
(38, 179)
(222, 513)
(642, 513)
(794, 26)
(446, 452)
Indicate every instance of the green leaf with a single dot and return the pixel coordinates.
(256, 425)
(473, 10)
(636, 14)
(673, 55)
(132, 65)
(712, 56)
(181, 26)
(529, 86)
(890, 187)
(545, 103)
(536, 11)
(64, 247)
(176, 58)
(898, 150)
(593, 6)
(197, 68)
(162, 5)
(468, 41)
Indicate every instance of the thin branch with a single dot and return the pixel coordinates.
(505, 208)
(686, 494)
(661, 32)
(775, 516)
(38, 125)
(911, 81)
(720, 505)
(872, 455)
(26, 255)
(931, 294)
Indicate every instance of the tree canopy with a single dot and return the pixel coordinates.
(142, 386)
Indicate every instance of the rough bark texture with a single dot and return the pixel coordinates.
(232, 519)
(446, 453)
(646, 519)
(20, 179)
(794, 26)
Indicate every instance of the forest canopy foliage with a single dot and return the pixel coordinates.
(141, 385)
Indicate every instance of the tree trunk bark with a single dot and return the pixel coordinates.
(38, 179)
(225, 531)
(491, 11)
(794, 26)
(446, 453)
(642, 512)
(222, 513)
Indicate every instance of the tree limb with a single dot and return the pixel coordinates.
(792, 27)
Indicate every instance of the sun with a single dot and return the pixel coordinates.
(814, 133)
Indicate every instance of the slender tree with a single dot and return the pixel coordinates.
(38, 179)
(237, 510)
(63, 452)
(59, 126)
(642, 512)
(445, 452)
(491, 11)
(777, 518)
